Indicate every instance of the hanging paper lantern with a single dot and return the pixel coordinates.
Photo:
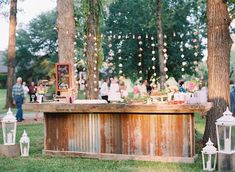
(120, 72)
(95, 89)
(139, 64)
(182, 69)
(153, 59)
(141, 49)
(153, 52)
(166, 77)
(184, 63)
(152, 44)
(165, 69)
(154, 74)
(164, 61)
(153, 67)
(139, 37)
(120, 65)
(146, 36)
(164, 50)
(140, 72)
(110, 45)
(119, 36)
(195, 62)
(165, 44)
(119, 50)
(165, 55)
(94, 68)
(140, 42)
(165, 36)
(152, 38)
(195, 54)
(119, 58)
(182, 55)
(181, 49)
(140, 55)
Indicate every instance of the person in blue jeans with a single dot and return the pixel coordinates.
(18, 98)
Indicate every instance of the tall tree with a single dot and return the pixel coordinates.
(219, 45)
(160, 41)
(93, 48)
(66, 35)
(11, 52)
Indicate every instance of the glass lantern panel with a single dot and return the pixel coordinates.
(24, 148)
(9, 132)
(209, 161)
(221, 131)
(233, 137)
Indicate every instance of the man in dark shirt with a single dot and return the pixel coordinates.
(18, 98)
(32, 92)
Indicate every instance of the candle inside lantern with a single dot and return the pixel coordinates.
(208, 163)
(9, 138)
(227, 144)
(24, 151)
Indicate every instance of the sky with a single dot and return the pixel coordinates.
(28, 9)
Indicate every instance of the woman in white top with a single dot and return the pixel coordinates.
(104, 90)
(25, 89)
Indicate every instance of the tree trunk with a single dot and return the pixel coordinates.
(93, 49)
(66, 36)
(11, 53)
(160, 45)
(219, 45)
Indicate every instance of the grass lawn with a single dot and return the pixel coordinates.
(2, 100)
(38, 162)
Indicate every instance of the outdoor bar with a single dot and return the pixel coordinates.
(116, 131)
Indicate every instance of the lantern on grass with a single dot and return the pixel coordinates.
(225, 131)
(9, 128)
(24, 144)
(209, 156)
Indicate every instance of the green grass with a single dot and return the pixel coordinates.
(2, 100)
(39, 162)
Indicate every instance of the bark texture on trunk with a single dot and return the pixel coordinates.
(11, 53)
(93, 49)
(66, 36)
(160, 41)
(219, 45)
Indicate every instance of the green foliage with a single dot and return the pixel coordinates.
(3, 80)
(38, 162)
(36, 48)
(184, 19)
(2, 100)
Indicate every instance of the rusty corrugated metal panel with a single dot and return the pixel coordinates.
(133, 134)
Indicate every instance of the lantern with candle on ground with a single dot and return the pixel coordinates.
(24, 144)
(225, 131)
(9, 128)
(209, 156)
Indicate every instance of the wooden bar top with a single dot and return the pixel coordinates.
(52, 107)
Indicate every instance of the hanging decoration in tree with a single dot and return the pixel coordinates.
(110, 55)
(153, 79)
(140, 56)
(165, 55)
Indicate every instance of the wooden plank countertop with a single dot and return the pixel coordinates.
(117, 108)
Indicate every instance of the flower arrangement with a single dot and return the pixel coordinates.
(191, 86)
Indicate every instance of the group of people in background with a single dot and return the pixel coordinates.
(20, 91)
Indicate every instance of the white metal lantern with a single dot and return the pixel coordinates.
(209, 156)
(225, 131)
(24, 144)
(9, 128)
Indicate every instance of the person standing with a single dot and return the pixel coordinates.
(104, 90)
(32, 92)
(41, 92)
(232, 100)
(18, 98)
(25, 89)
